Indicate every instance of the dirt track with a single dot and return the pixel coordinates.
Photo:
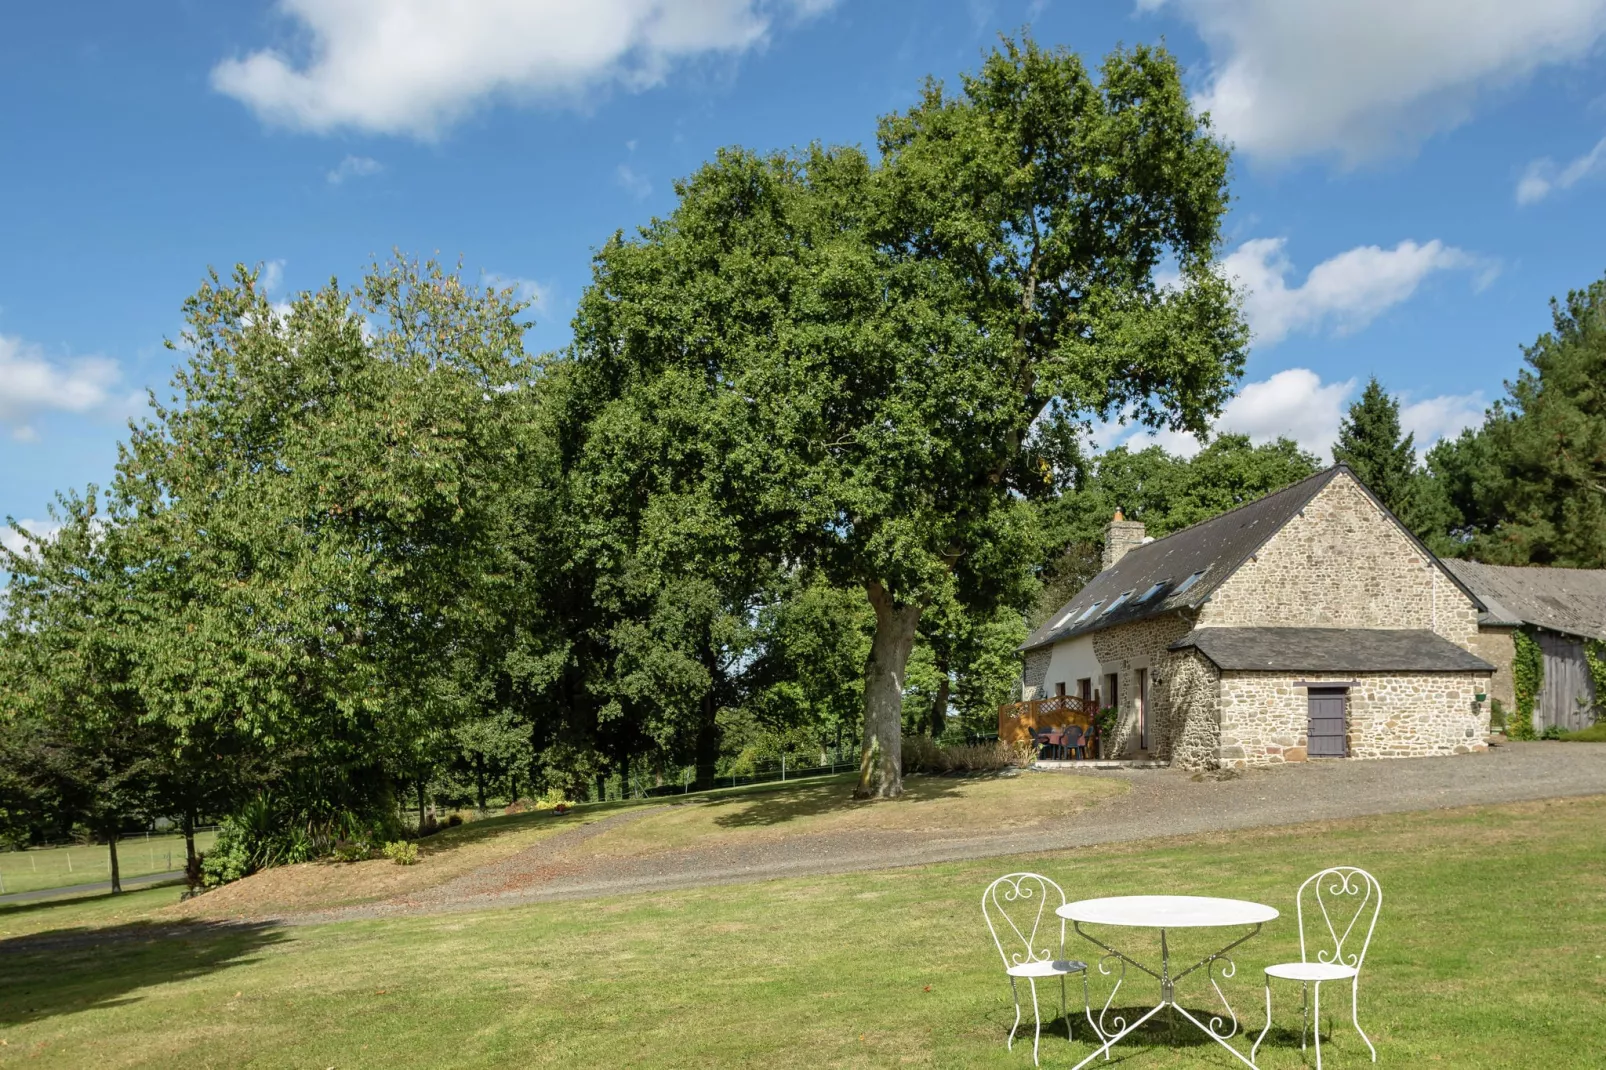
(1161, 802)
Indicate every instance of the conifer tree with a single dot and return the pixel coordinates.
(1369, 441)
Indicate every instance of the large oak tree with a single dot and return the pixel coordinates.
(882, 346)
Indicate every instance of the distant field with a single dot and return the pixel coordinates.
(60, 867)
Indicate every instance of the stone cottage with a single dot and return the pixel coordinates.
(1308, 624)
(1563, 609)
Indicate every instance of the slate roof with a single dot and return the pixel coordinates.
(1331, 650)
(1215, 547)
(1571, 600)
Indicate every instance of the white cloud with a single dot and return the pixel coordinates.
(354, 167)
(1541, 179)
(1363, 78)
(1296, 403)
(1441, 417)
(415, 66)
(524, 289)
(634, 181)
(32, 383)
(11, 540)
(1345, 292)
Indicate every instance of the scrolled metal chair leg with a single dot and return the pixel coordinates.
(1009, 1045)
(1256, 1046)
(1063, 1012)
(1355, 1014)
(1037, 1022)
(1304, 1013)
(1316, 1023)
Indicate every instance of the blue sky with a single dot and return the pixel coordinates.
(1413, 180)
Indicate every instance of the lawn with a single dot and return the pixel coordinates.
(1489, 954)
(60, 867)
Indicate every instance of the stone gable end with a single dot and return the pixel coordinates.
(1342, 563)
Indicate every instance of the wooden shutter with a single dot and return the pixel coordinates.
(1327, 735)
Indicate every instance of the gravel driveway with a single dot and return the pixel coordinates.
(1161, 802)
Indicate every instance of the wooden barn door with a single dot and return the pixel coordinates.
(1568, 692)
(1326, 734)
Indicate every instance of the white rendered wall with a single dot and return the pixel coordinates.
(1071, 660)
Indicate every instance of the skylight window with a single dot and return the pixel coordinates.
(1088, 612)
(1113, 606)
(1189, 582)
(1152, 591)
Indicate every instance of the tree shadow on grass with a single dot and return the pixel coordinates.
(65, 971)
(1161, 1031)
(777, 808)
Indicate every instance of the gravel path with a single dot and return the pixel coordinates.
(1161, 802)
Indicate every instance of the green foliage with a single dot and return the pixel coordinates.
(844, 360)
(1595, 733)
(1497, 714)
(1527, 677)
(352, 851)
(402, 852)
(1371, 443)
(1529, 485)
(1595, 657)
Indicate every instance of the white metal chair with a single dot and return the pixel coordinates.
(1353, 894)
(1013, 907)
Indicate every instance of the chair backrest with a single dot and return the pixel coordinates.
(1073, 735)
(1014, 907)
(1348, 901)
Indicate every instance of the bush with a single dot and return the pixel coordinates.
(402, 852)
(1552, 731)
(1497, 715)
(454, 821)
(352, 850)
(921, 754)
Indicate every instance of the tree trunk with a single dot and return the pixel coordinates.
(111, 843)
(189, 840)
(479, 780)
(707, 747)
(939, 706)
(420, 803)
(881, 760)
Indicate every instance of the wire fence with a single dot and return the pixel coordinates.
(683, 782)
(41, 868)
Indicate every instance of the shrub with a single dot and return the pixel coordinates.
(402, 852)
(553, 799)
(454, 821)
(921, 754)
(1497, 715)
(1552, 731)
(352, 850)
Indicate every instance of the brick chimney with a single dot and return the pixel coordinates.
(1122, 535)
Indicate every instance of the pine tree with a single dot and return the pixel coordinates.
(1369, 441)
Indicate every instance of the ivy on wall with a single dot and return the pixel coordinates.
(1595, 655)
(1527, 677)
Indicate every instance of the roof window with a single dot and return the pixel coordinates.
(1089, 611)
(1189, 582)
(1113, 606)
(1152, 591)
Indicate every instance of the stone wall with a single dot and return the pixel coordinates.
(1498, 646)
(1123, 650)
(1391, 715)
(1193, 695)
(1034, 672)
(1342, 563)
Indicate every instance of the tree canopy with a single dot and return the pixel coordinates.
(880, 351)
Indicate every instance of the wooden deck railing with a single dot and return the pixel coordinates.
(1017, 721)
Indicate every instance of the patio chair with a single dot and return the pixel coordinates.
(1075, 742)
(1330, 888)
(1013, 907)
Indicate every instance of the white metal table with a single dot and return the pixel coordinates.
(1166, 912)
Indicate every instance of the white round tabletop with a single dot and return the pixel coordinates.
(1167, 911)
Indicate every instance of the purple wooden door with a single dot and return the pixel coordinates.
(1326, 736)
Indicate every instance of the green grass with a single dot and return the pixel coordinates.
(60, 867)
(1595, 733)
(1489, 954)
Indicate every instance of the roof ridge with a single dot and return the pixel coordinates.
(1329, 471)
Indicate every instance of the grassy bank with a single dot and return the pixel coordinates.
(1489, 954)
(61, 867)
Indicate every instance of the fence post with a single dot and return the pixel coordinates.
(783, 769)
